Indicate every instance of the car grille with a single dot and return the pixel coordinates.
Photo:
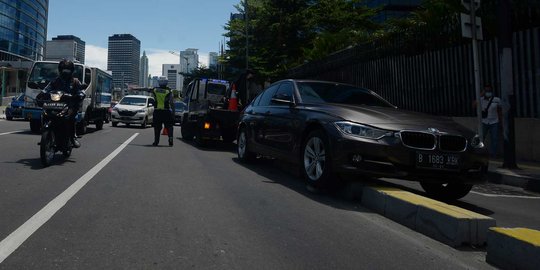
(127, 113)
(452, 143)
(419, 140)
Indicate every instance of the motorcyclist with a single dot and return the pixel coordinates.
(163, 110)
(66, 83)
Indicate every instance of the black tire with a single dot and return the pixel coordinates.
(81, 127)
(144, 123)
(99, 124)
(9, 118)
(187, 133)
(450, 191)
(46, 149)
(107, 118)
(67, 153)
(128, 125)
(242, 149)
(35, 126)
(316, 160)
(228, 136)
(114, 124)
(199, 140)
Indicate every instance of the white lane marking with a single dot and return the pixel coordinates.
(11, 132)
(505, 196)
(16, 238)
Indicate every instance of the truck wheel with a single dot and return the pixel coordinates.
(228, 136)
(201, 142)
(187, 133)
(99, 124)
(81, 127)
(450, 191)
(35, 126)
(9, 118)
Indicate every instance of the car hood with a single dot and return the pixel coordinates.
(129, 107)
(392, 118)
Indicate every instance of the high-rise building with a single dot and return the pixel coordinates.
(66, 46)
(213, 60)
(154, 81)
(171, 71)
(123, 59)
(189, 60)
(143, 81)
(23, 29)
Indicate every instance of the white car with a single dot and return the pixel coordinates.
(133, 109)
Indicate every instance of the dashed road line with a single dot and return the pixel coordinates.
(16, 238)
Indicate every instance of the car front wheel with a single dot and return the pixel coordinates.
(450, 191)
(316, 160)
(244, 155)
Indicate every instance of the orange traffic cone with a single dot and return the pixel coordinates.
(165, 131)
(233, 101)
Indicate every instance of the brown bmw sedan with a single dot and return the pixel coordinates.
(331, 129)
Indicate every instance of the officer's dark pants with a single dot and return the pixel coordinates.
(162, 117)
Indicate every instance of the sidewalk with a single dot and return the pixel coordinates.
(2, 112)
(527, 176)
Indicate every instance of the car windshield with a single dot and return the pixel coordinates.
(179, 106)
(133, 101)
(318, 92)
(44, 72)
(216, 89)
(105, 99)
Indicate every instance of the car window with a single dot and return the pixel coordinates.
(267, 95)
(324, 92)
(216, 89)
(285, 92)
(256, 100)
(136, 101)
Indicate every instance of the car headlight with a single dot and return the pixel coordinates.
(141, 111)
(55, 97)
(476, 142)
(362, 131)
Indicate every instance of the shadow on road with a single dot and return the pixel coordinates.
(343, 195)
(35, 163)
(211, 146)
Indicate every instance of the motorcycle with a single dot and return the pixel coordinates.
(55, 134)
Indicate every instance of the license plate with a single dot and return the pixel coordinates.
(437, 160)
(53, 105)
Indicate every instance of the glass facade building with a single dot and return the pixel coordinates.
(392, 8)
(124, 59)
(23, 29)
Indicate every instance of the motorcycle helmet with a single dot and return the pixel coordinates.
(66, 69)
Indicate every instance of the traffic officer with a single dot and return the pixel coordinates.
(163, 109)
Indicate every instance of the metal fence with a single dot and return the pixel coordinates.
(437, 82)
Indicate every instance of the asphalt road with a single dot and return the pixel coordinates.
(141, 207)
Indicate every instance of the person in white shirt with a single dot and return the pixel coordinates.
(492, 119)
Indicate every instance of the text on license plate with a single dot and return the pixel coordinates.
(434, 160)
(53, 105)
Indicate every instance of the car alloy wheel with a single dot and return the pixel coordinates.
(242, 145)
(314, 158)
(244, 155)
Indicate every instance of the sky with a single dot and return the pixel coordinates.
(160, 25)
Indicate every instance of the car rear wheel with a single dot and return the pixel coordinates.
(316, 160)
(187, 133)
(244, 155)
(450, 191)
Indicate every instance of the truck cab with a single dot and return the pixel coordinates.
(207, 117)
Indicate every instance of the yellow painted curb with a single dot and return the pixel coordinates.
(523, 234)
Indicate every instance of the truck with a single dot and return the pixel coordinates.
(94, 107)
(207, 117)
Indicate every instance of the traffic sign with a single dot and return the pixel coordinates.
(467, 4)
(466, 26)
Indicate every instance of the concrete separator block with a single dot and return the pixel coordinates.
(446, 223)
(513, 248)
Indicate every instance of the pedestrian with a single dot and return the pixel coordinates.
(492, 119)
(243, 86)
(163, 110)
